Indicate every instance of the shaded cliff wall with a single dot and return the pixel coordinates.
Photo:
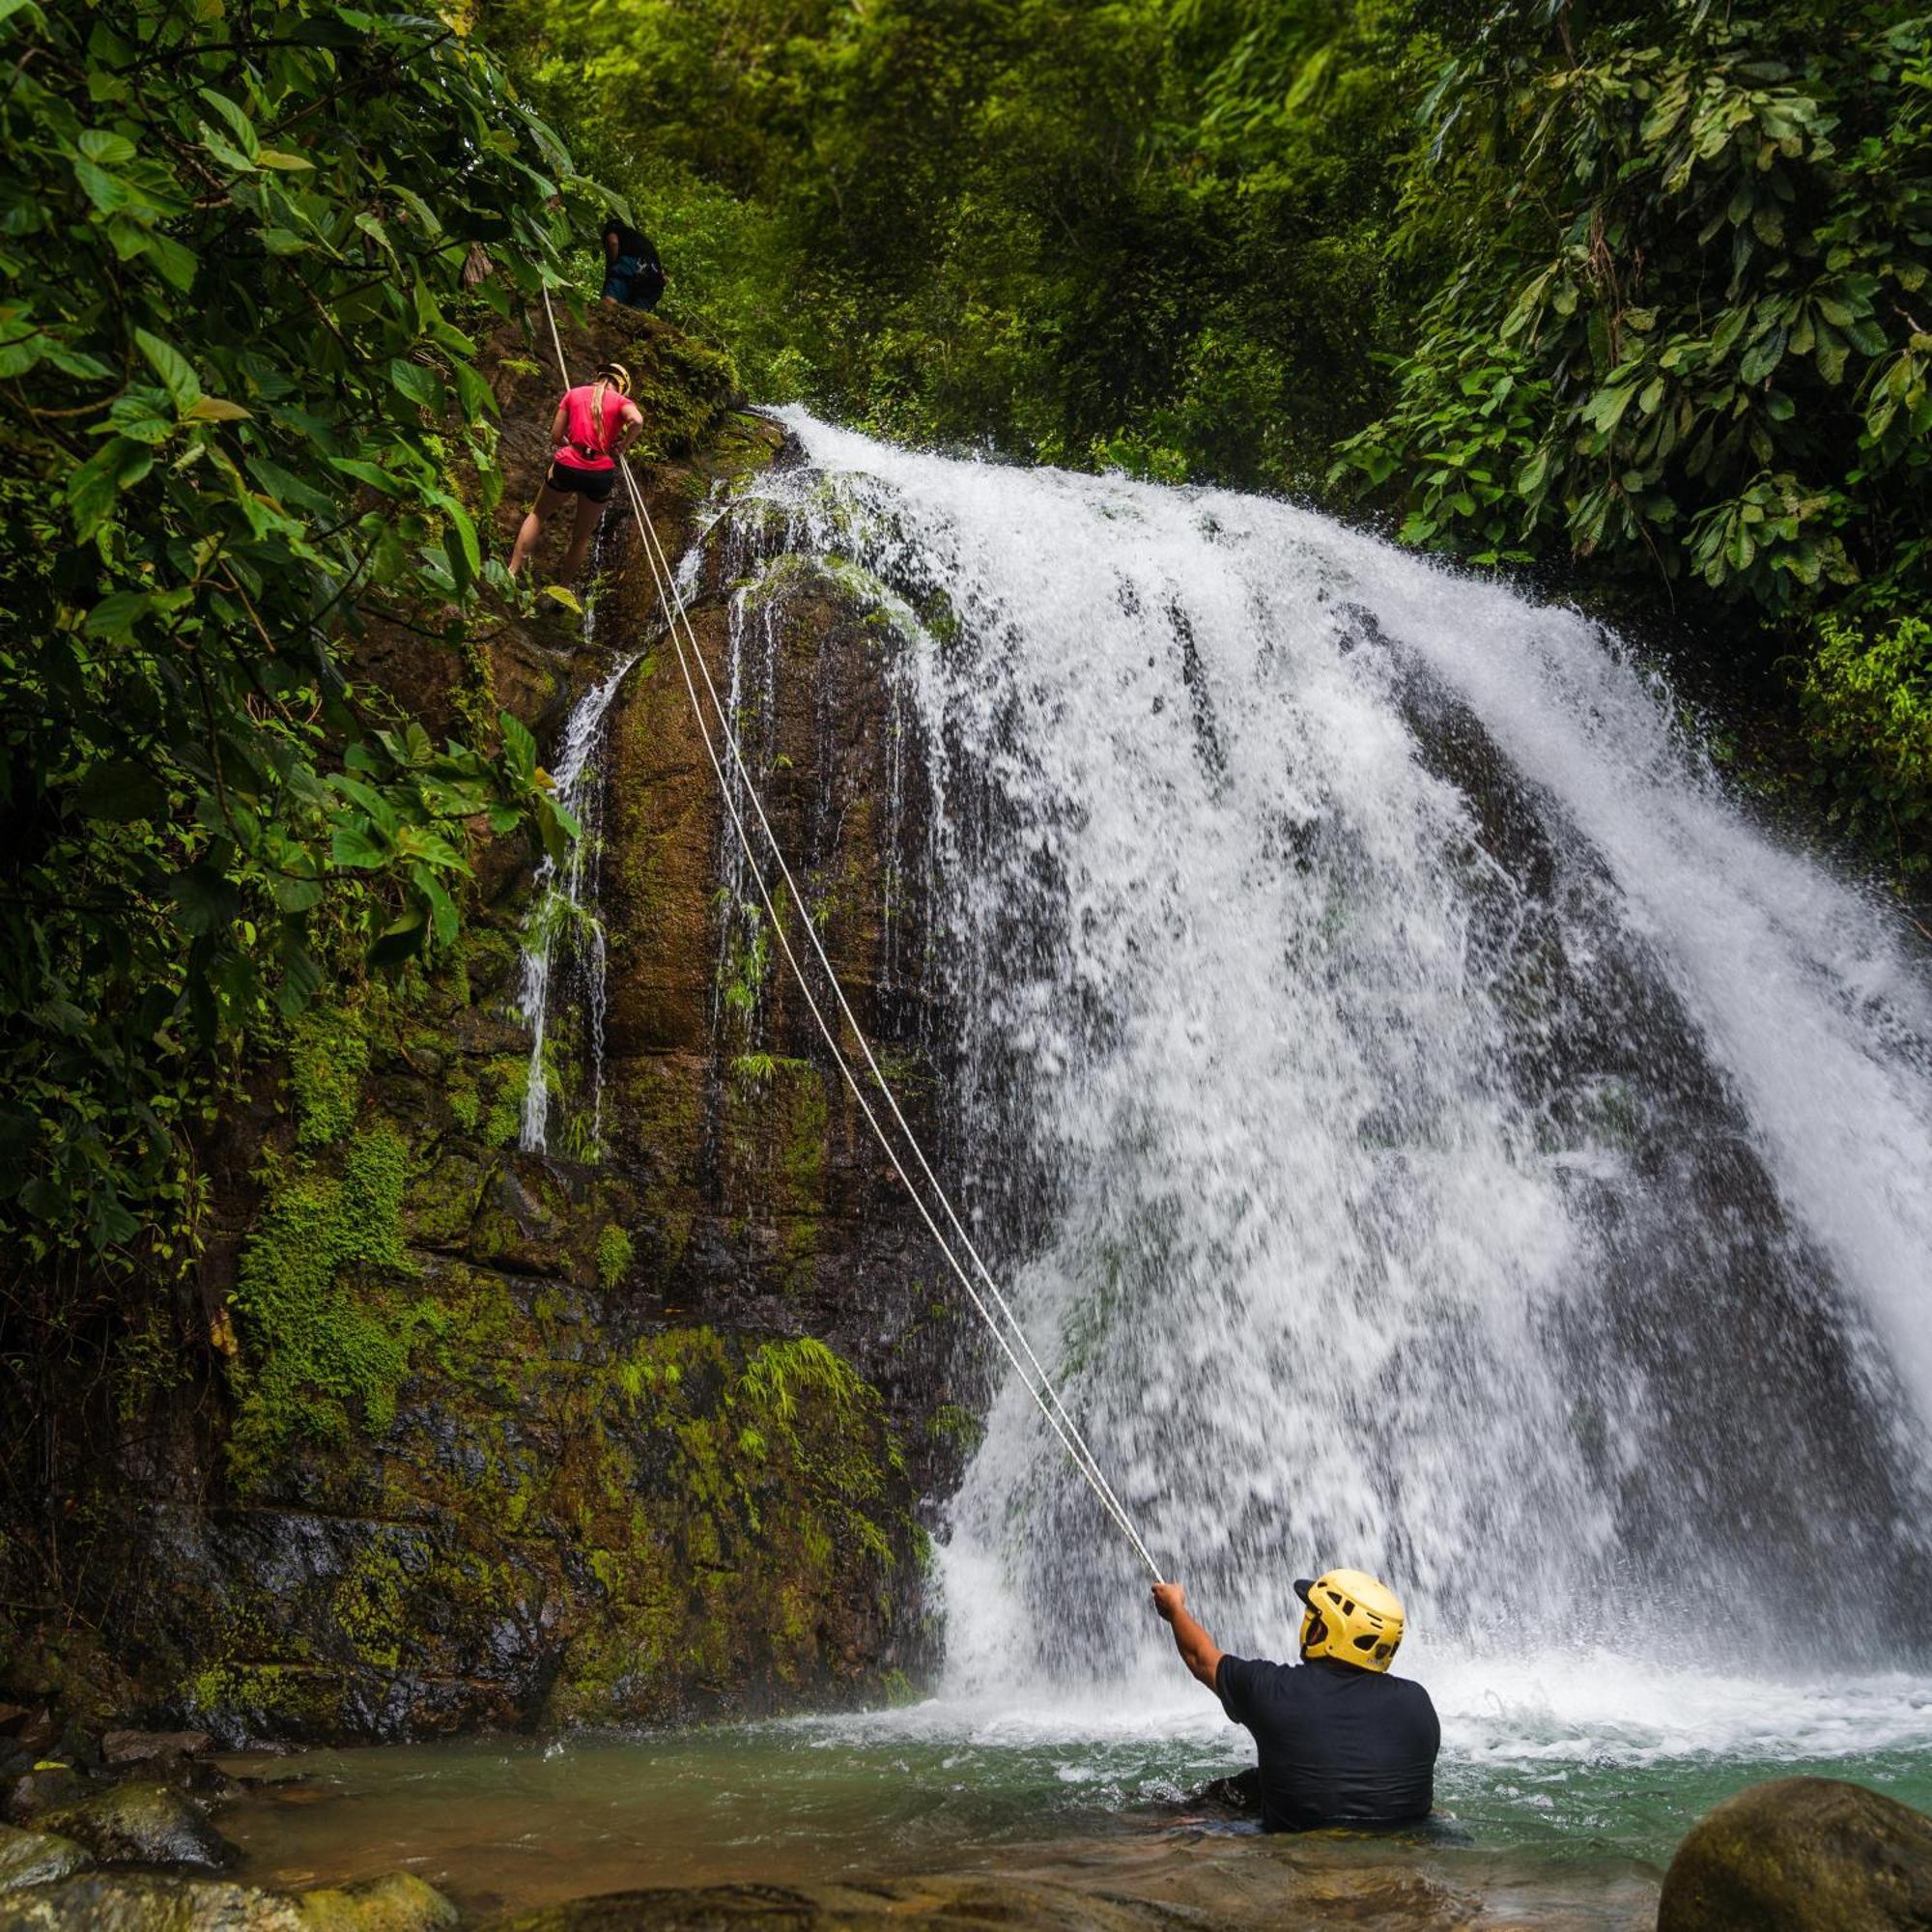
(482, 1436)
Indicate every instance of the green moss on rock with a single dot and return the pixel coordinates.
(329, 1055)
(321, 1348)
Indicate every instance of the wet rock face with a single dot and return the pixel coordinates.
(764, 1196)
(634, 1429)
(1810, 1852)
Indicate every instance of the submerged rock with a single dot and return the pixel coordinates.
(144, 1825)
(38, 1858)
(1810, 1852)
(142, 1902)
(948, 1899)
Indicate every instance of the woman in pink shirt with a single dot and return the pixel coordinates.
(594, 424)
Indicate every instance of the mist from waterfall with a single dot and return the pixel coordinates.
(1427, 1126)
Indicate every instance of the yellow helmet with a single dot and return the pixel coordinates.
(1349, 1617)
(617, 376)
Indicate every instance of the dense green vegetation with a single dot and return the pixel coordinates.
(242, 425)
(1632, 293)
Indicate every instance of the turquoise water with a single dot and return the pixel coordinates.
(1547, 1777)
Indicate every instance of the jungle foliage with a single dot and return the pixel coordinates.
(1631, 292)
(240, 424)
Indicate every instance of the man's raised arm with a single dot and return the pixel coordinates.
(1199, 1651)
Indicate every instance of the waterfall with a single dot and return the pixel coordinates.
(564, 925)
(1427, 1125)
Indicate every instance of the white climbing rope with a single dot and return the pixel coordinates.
(1025, 1363)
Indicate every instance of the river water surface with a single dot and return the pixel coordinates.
(1560, 1781)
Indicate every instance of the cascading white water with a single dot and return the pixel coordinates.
(563, 922)
(1471, 1150)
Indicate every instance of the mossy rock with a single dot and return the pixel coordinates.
(395, 1902)
(142, 1902)
(1813, 1852)
(144, 1825)
(38, 1858)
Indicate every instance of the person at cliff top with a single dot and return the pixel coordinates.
(1340, 1741)
(594, 424)
(632, 275)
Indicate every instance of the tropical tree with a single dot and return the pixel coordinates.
(240, 424)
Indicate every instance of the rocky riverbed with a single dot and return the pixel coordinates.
(144, 1832)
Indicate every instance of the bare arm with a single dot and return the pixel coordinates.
(629, 430)
(1199, 1651)
(556, 428)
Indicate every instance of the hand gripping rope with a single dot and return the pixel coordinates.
(1004, 1328)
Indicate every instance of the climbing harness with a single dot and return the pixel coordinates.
(1025, 1363)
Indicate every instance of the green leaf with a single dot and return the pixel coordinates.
(356, 847)
(519, 751)
(371, 473)
(444, 919)
(105, 147)
(415, 383)
(108, 192)
(176, 375)
(464, 558)
(239, 126)
(205, 901)
(115, 616)
(1762, 356)
(94, 489)
(401, 941)
(225, 152)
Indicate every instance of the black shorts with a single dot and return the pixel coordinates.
(596, 484)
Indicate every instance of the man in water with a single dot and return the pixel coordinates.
(1340, 1741)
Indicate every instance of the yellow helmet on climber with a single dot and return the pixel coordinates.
(617, 376)
(1350, 1617)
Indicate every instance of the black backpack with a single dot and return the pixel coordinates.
(649, 284)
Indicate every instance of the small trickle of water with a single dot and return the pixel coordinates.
(564, 927)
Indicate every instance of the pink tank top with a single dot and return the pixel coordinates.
(588, 440)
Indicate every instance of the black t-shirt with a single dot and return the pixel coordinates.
(631, 241)
(1337, 1745)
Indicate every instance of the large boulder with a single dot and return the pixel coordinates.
(1810, 1854)
(143, 1824)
